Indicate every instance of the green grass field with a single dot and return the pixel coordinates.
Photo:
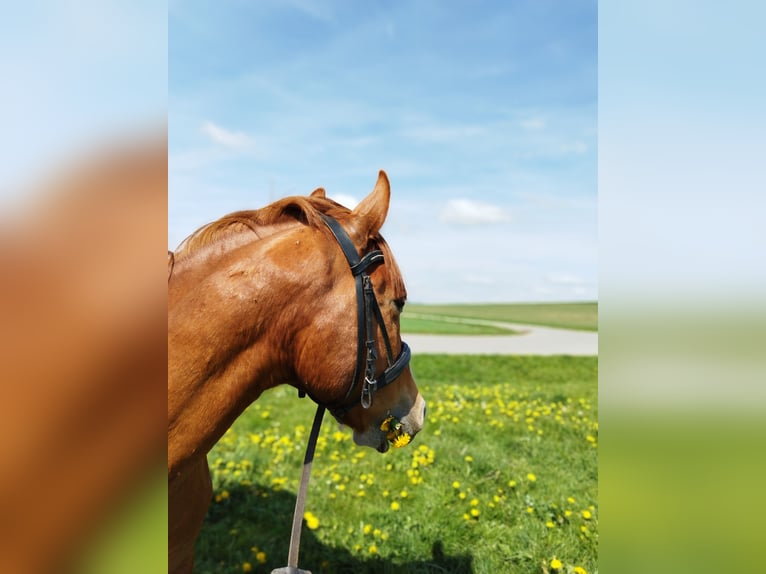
(433, 325)
(503, 478)
(580, 316)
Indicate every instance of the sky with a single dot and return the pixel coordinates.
(483, 114)
(74, 74)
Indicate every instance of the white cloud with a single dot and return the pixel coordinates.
(226, 138)
(470, 212)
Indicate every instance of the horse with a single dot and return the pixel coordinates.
(301, 292)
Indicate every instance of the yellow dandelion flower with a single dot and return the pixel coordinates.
(475, 502)
(367, 528)
(531, 477)
(530, 510)
(461, 495)
(401, 440)
(246, 567)
(586, 514)
(571, 500)
(579, 570)
(456, 484)
(556, 564)
(512, 483)
(373, 549)
(469, 458)
(312, 522)
(550, 524)
(395, 506)
(475, 512)
(403, 494)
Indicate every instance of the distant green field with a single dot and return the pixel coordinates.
(413, 323)
(579, 316)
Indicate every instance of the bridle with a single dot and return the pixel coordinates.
(367, 312)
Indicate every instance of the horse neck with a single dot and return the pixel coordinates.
(228, 340)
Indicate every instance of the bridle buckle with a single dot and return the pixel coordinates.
(368, 391)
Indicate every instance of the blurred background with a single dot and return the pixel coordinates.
(83, 198)
(681, 286)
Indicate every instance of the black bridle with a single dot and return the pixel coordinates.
(367, 312)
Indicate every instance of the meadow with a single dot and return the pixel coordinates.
(443, 325)
(503, 478)
(579, 316)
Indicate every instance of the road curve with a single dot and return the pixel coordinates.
(530, 340)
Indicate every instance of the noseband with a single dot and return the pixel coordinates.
(367, 312)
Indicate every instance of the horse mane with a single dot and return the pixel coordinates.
(306, 210)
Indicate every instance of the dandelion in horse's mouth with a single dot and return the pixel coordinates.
(401, 440)
(395, 433)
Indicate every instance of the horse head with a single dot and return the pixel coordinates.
(354, 360)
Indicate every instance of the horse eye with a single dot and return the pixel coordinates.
(399, 304)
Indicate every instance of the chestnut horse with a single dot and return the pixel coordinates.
(262, 298)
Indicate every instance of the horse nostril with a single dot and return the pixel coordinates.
(424, 411)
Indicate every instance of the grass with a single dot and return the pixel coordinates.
(434, 325)
(579, 316)
(502, 479)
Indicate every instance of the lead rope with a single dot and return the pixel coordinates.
(300, 500)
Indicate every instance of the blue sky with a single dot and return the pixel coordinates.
(483, 114)
(75, 73)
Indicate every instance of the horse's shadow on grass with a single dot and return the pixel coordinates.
(249, 519)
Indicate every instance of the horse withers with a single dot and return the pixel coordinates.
(302, 292)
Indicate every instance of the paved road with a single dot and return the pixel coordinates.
(531, 340)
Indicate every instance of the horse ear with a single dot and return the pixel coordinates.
(318, 192)
(367, 218)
